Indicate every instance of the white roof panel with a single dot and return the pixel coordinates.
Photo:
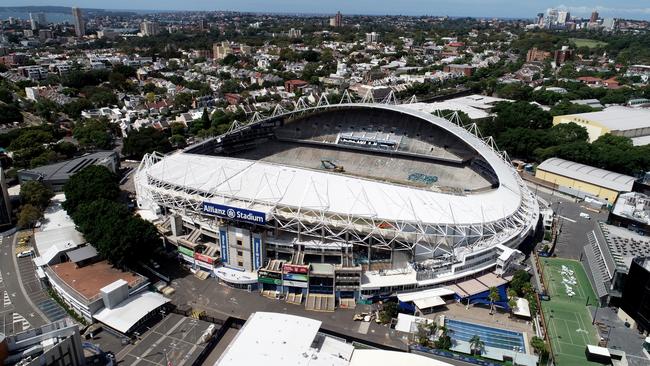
(619, 118)
(130, 311)
(429, 302)
(600, 177)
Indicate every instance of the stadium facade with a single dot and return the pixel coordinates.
(340, 202)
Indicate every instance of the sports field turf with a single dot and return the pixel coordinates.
(567, 317)
(590, 43)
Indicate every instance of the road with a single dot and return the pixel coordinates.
(574, 228)
(16, 312)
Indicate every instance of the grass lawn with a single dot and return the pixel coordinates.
(584, 42)
(567, 317)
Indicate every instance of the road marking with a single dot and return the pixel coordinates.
(568, 219)
(17, 318)
(6, 301)
(0, 278)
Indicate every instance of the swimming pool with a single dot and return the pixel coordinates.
(493, 337)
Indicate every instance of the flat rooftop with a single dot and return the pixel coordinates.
(618, 118)
(63, 170)
(88, 280)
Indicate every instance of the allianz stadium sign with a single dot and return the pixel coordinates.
(234, 213)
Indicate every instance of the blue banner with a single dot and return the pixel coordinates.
(234, 213)
(223, 238)
(257, 252)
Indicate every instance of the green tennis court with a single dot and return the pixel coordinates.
(566, 314)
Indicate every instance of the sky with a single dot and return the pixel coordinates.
(634, 9)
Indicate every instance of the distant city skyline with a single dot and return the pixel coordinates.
(633, 9)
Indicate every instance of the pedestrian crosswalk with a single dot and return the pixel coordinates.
(0, 278)
(19, 319)
(6, 301)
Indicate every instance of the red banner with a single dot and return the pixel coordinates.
(204, 258)
(294, 268)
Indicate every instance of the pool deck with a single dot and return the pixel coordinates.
(480, 315)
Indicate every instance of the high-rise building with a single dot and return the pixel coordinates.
(33, 22)
(337, 20)
(149, 28)
(563, 17)
(221, 50)
(540, 19)
(79, 25)
(372, 37)
(594, 17)
(562, 56)
(551, 18)
(295, 33)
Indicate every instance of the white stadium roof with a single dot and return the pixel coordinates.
(586, 173)
(264, 186)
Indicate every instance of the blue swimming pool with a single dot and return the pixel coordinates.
(493, 337)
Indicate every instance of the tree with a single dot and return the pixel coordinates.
(6, 95)
(28, 216)
(512, 299)
(183, 101)
(424, 333)
(519, 279)
(539, 346)
(476, 344)
(143, 141)
(93, 134)
(493, 297)
(10, 113)
(65, 148)
(90, 184)
(120, 237)
(388, 312)
(36, 194)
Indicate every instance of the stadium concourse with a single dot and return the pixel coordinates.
(335, 204)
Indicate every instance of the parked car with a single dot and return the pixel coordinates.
(25, 253)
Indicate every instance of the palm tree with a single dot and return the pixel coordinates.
(493, 296)
(476, 345)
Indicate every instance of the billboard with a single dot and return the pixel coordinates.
(296, 277)
(234, 213)
(204, 258)
(293, 268)
(295, 284)
(267, 274)
(223, 240)
(257, 252)
(187, 251)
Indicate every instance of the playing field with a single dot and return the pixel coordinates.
(567, 317)
(590, 43)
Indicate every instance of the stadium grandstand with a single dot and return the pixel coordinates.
(330, 204)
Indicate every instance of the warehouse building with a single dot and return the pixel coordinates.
(583, 180)
(620, 121)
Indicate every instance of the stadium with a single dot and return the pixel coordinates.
(340, 201)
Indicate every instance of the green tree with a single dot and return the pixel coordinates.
(90, 184)
(183, 101)
(10, 113)
(94, 134)
(519, 279)
(493, 297)
(476, 344)
(36, 194)
(28, 215)
(143, 141)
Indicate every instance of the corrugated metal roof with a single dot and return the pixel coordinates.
(589, 174)
(619, 118)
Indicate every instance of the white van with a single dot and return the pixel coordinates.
(585, 216)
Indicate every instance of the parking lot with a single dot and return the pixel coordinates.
(173, 341)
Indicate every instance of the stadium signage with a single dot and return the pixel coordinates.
(204, 258)
(292, 268)
(295, 277)
(234, 213)
(266, 274)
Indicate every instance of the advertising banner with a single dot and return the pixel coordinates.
(223, 239)
(204, 258)
(234, 213)
(187, 251)
(263, 273)
(271, 281)
(293, 268)
(295, 284)
(257, 252)
(296, 277)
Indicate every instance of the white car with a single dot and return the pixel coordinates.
(25, 253)
(585, 216)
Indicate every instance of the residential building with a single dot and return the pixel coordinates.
(221, 50)
(535, 54)
(79, 25)
(149, 28)
(594, 17)
(372, 37)
(337, 20)
(295, 33)
(460, 69)
(57, 343)
(562, 56)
